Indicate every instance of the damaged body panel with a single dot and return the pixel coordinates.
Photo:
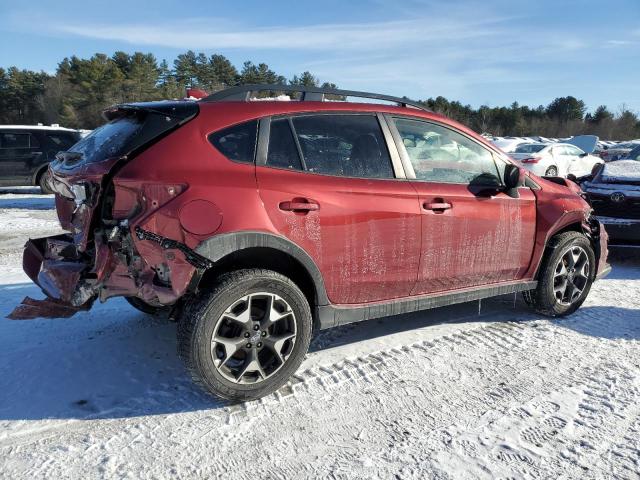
(100, 257)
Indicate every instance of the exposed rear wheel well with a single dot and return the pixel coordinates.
(269, 259)
(39, 173)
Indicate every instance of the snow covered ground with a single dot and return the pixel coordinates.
(440, 394)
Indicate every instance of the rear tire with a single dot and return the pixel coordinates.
(42, 182)
(243, 339)
(565, 277)
(144, 307)
(551, 172)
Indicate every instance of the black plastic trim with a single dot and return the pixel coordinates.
(243, 93)
(219, 246)
(332, 315)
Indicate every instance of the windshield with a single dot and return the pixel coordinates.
(529, 148)
(108, 141)
(625, 145)
(634, 154)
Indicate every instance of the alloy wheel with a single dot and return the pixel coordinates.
(571, 275)
(253, 338)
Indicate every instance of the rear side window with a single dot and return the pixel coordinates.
(237, 143)
(343, 145)
(283, 152)
(14, 140)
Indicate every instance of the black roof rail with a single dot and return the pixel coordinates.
(243, 93)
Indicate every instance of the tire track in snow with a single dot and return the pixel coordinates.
(499, 370)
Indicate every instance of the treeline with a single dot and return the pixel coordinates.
(81, 88)
(563, 117)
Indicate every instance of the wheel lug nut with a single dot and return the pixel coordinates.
(246, 334)
(259, 344)
(256, 327)
(248, 345)
(264, 334)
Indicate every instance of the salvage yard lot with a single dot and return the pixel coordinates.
(448, 393)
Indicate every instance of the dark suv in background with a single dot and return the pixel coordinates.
(25, 153)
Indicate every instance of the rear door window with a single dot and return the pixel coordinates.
(573, 151)
(343, 145)
(14, 140)
(283, 151)
(237, 143)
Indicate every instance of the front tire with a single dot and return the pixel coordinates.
(243, 339)
(565, 277)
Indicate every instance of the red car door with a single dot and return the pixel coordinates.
(329, 184)
(473, 234)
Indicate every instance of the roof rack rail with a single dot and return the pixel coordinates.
(243, 93)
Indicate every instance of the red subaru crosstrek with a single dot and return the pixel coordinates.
(255, 223)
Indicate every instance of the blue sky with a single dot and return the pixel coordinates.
(489, 52)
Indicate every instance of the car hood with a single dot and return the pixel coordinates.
(621, 171)
(586, 143)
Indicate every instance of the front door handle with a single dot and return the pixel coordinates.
(299, 206)
(436, 206)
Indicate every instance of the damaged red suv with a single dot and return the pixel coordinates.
(256, 223)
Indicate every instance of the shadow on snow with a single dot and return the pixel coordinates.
(115, 362)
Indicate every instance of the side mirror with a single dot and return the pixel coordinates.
(513, 177)
(583, 154)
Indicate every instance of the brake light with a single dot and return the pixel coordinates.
(196, 93)
(531, 160)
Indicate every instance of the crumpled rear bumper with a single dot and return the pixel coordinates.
(54, 265)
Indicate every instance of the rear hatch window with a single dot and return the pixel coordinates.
(131, 128)
(107, 141)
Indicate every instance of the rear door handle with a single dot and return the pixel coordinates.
(436, 206)
(298, 206)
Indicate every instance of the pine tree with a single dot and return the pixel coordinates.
(223, 69)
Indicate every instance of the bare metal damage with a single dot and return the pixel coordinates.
(101, 258)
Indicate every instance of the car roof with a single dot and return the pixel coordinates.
(256, 109)
(36, 127)
(241, 111)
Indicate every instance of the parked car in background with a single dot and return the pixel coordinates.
(26, 151)
(633, 154)
(614, 194)
(257, 223)
(508, 144)
(618, 151)
(555, 159)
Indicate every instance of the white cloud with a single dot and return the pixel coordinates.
(440, 50)
(619, 43)
(215, 34)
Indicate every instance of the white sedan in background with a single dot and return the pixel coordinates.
(555, 159)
